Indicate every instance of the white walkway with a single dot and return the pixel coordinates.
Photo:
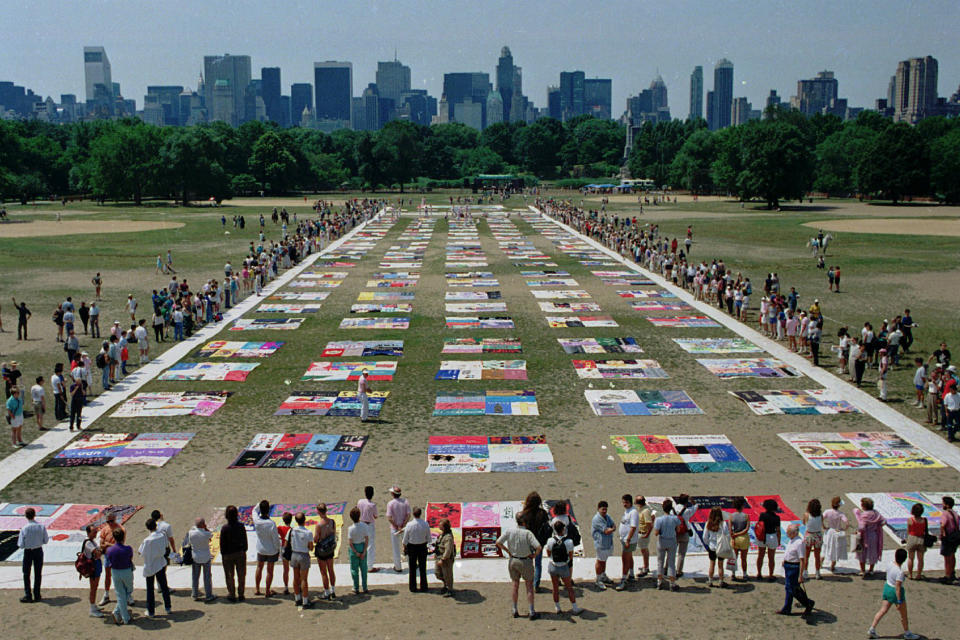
(23, 460)
(889, 417)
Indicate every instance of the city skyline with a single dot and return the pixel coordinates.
(862, 46)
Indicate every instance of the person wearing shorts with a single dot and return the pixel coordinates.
(15, 417)
(301, 543)
(894, 595)
(602, 529)
(644, 532)
(268, 547)
(771, 538)
(39, 398)
(561, 570)
(91, 551)
(917, 530)
(629, 524)
(521, 546)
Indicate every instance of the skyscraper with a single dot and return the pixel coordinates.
(916, 89)
(554, 103)
(722, 95)
(226, 79)
(598, 97)
(301, 97)
(470, 87)
(572, 94)
(393, 80)
(696, 93)
(505, 81)
(333, 84)
(270, 91)
(167, 100)
(96, 71)
(816, 94)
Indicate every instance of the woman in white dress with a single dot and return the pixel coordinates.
(835, 526)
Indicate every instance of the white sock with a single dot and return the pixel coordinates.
(532, 610)
(514, 607)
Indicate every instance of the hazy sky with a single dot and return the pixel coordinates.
(771, 43)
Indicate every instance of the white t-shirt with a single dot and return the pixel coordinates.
(141, 333)
(551, 543)
(894, 574)
(630, 520)
(357, 533)
(37, 393)
(919, 376)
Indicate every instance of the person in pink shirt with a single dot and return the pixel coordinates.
(398, 514)
(368, 516)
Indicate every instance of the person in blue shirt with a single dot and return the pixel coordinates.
(602, 528)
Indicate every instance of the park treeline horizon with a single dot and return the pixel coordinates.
(783, 156)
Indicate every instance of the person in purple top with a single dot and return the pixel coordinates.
(120, 557)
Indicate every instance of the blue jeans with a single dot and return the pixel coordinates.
(203, 567)
(537, 569)
(178, 331)
(105, 378)
(953, 423)
(123, 586)
(791, 573)
(161, 579)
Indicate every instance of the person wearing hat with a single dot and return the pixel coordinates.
(398, 514)
(363, 388)
(883, 367)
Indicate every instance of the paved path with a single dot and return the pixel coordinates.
(889, 417)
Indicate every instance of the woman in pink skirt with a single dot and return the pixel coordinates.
(870, 527)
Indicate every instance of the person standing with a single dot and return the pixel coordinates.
(363, 388)
(537, 521)
(646, 519)
(666, 528)
(813, 535)
(141, 334)
(301, 543)
(198, 538)
(11, 377)
(870, 529)
(108, 534)
(39, 398)
(120, 558)
(629, 524)
(91, 551)
(97, 282)
(358, 537)
(71, 345)
(951, 405)
(398, 514)
(767, 531)
(446, 554)
(835, 526)
(416, 535)
(78, 398)
(23, 314)
(94, 320)
(84, 313)
(521, 546)
(917, 530)
(794, 566)
(740, 535)
(153, 549)
(284, 531)
(949, 539)
(368, 516)
(268, 546)
(233, 554)
(560, 552)
(602, 528)
(31, 539)
(59, 388)
(131, 306)
(814, 335)
(883, 368)
(907, 326)
(894, 595)
(15, 417)
(324, 548)
(687, 511)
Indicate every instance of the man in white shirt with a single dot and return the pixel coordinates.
(199, 540)
(153, 549)
(59, 392)
(363, 387)
(141, 334)
(416, 535)
(39, 398)
(31, 539)
(629, 526)
(951, 404)
(268, 545)
(794, 565)
(165, 528)
(398, 514)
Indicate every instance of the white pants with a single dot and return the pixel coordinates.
(372, 547)
(396, 540)
(364, 409)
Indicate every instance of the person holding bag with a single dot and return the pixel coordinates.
(767, 532)
(740, 535)
(716, 537)
(918, 533)
(324, 549)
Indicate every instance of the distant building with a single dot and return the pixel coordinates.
(272, 100)
(720, 108)
(301, 97)
(417, 107)
(773, 100)
(366, 110)
(505, 82)
(598, 97)
(96, 71)
(572, 94)
(226, 80)
(471, 88)
(16, 100)
(916, 90)
(167, 100)
(554, 103)
(469, 113)
(696, 94)
(816, 95)
(393, 80)
(333, 87)
(742, 112)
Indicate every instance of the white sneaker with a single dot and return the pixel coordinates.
(103, 600)
(576, 610)
(871, 633)
(600, 585)
(558, 609)
(94, 613)
(909, 635)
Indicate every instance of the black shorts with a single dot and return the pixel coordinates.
(947, 548)
(264, 558)
(324, 556)
(711, 554)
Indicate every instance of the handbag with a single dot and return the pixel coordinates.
(857, 542)
(83, 564)
(287, 552)
(186, 555)
(928, 538)
(724, 546)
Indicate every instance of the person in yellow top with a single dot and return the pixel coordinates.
(815, 310)
(645, 528)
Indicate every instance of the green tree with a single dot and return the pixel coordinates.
(125, 161)
(501, 138)
(838, 157)
(945, 166)
(777, 162)
(470, 162)
(398, 150)
(692, 166)
(655, 147)
(728, 164)
(896, 164)
(271, 163)
(192, 159)
(591, 140)
(538, 147)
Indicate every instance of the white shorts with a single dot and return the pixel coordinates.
(770, 541)
(603, 554)
(16, 421)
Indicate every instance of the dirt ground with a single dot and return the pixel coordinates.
(49, 228)
(892, 226)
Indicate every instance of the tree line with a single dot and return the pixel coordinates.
(783, 156)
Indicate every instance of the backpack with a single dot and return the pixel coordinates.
(101, 361)
(682, 529)
(83, 564)
(559, 553)
(574, 533)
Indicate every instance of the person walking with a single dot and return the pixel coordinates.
(416, 535)
(794, 567)
(667, 528)
(398, 514)
(602, 528)
(14, 408)
(521, 546)
(120, 558)
(31, 539)
(153, 549)
(870, 532)
(301, 544)
(358, 537)
(368, 515)
(813, 535)
(91, 551)
(446, 554)
(363, 388)
(894, 596)
(560, 553)
(233, 554)
(629, 525)
(268, 546)
(949, 539)
(324, 548)
(198, 538)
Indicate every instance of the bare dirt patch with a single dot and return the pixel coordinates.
(45, 228)
(891, 226)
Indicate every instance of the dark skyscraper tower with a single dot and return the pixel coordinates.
(505, 79)
(301, 97)
(270, 90)
(572, 94)
(722, 95)
(393, 80)
(333, 83)
(696, 93)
